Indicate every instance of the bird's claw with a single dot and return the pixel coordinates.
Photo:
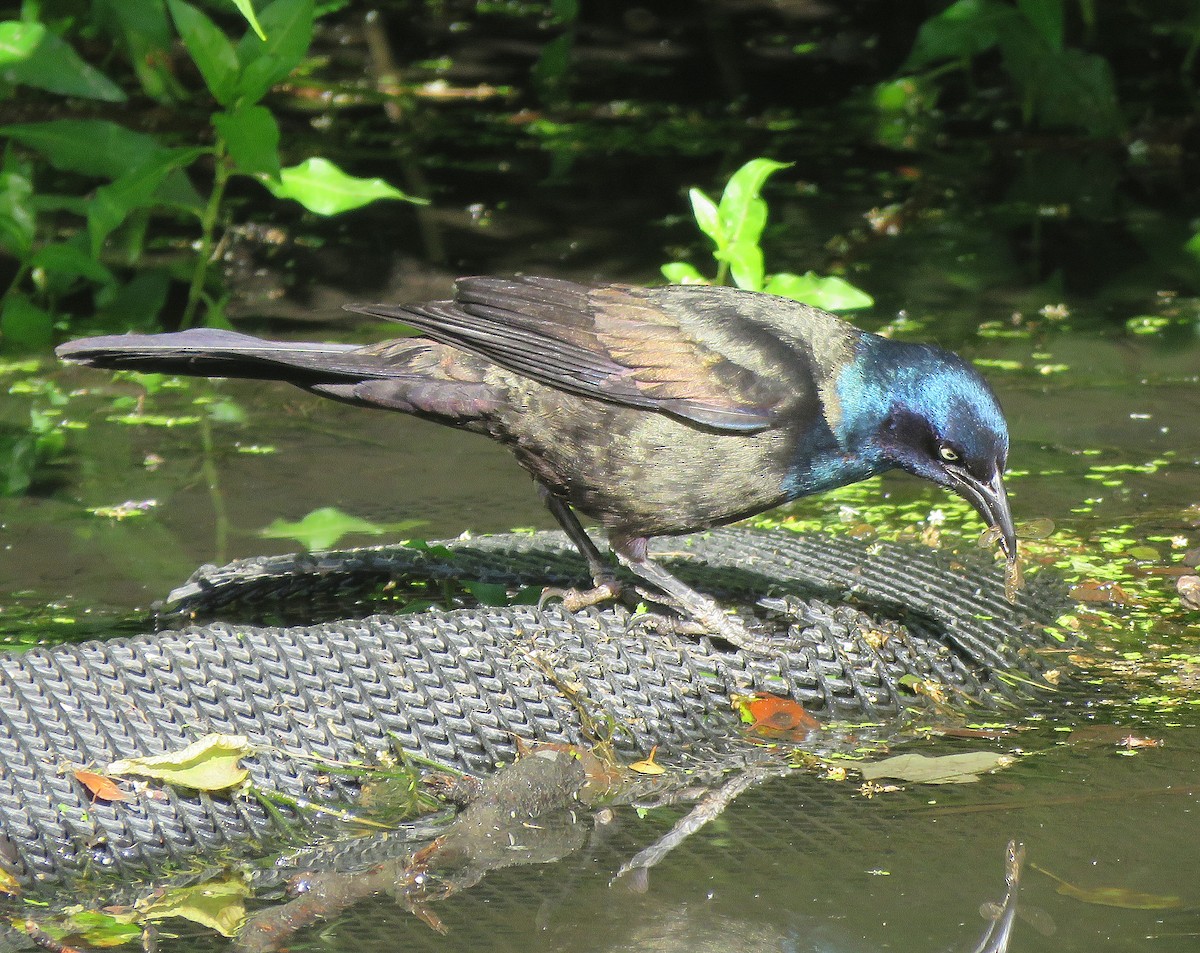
(719, 625)
(575, 599)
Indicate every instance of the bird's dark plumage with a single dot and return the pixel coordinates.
(655, 411)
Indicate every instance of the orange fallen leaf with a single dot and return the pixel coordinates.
(775, 716)
(101, 787)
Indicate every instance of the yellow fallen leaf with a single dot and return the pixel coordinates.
(1112, 896)
(8, 883)
(649, 766)
(207, 764)
(218, 905)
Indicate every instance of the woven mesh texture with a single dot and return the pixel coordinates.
(458, 687)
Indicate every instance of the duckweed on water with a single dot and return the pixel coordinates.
(1128, 612)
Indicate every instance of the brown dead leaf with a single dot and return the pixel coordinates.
(1110, 592)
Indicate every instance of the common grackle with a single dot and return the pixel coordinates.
(654, 411)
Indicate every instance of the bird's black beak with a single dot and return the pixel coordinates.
(991, 500)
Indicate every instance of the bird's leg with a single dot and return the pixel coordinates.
(707, 616)
(604, 584)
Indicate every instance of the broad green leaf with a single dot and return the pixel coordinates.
(177, 192)
(1192, 246)
(945, 769)
(148, 35)
(252, 136)
(552, 65)
(209, 49)
(963, 30)
(288, 25)
(1046, 17)
(321, 187)
(1072, 89)
(18, 222)
(18, 40)
(707, 217)
(322, 528)
(207, 764)
(87, 146)
(745, 261)
(24, 326)
(54, 66)
(102, 930)
(217, 905)
(136, 189)
(742, 191)
(681, 273)
(487, 593)
(247, 10)
(134, 306)
(830, 294)
(70, 260)
(747, 229)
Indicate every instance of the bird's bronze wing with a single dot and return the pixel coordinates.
(609, 342)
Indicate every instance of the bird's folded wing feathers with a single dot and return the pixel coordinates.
(611, 343)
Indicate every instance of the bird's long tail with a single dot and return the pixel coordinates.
(205, 352)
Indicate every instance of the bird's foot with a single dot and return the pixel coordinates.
(716, 623)
(573, 599)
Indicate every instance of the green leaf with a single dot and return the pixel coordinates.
(707, 217)
(322, 528)
(24, 326)
(741, 193)
(321, 187)
(830, 294)
(87, 146)
(945, 769)
(247, 10)
(18, 222)
(134, 306)
(961, 31)
(1070, 89)
(681, 273)
(743, 216)
(217, 905)
(252, 136)
(54, 66)
(1047, 18)
(146, 31)
(70, 260)
(487, 593)
(745, 264)
(207, 764)
(209, 49)
(136, 189)
(101, 930)
(264, 62)
(18, 40)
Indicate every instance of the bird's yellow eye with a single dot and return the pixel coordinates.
(949, 454)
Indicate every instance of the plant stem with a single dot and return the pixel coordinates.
(212, 479)
(208, 228)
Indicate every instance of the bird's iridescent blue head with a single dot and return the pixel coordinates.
(927, 411)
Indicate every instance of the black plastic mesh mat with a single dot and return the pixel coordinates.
(458, 687)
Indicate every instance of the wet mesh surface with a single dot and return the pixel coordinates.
(458, 687)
